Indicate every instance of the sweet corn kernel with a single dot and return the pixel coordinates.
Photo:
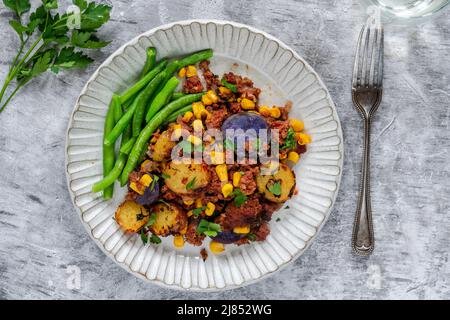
(241, 230)
(247, 104)
(189, 213)
(264, 110)
(275, 112)
(198, 203)
(197, 125)
(209, 98)
(198, 109)
(217, 157)
(216, 247)
(303, 138)
(236, 178)
(194, 140)
(182, 73)
(178, 241)
(146, 179)
(227, 189)
(296, 125)
(293, 156)
(210, 207)
(224, 90)
(187, 116)
(136, 188)
(184, 230)
(188, 202)
(145, 164)
(191, 71)
(222, 172)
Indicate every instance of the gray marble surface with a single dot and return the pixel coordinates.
(41, 237)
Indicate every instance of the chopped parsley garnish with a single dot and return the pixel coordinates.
(275, 188)
(154, 181)
(287, 207)
(196, 212)
(251, 237)
(228, 85)
(278, 220)
(207, 228)
(289, 143)
(155, 239)
(151, 220)
(191, 184)
(165, 176)
(144, 237)
(239, 197)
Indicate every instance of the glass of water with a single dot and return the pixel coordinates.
(398, 10)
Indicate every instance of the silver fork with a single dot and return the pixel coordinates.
(367, 83)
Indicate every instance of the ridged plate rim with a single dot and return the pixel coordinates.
(166, 27)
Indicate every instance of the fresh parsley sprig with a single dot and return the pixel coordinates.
(56, 39)
(208, 228)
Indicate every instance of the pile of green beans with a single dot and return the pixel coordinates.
(153, 99)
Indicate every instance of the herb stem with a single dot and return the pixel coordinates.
(11, 95)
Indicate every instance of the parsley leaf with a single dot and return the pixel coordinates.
(94, 16)
(275, 188)
(251, 237)
(165, 176)
(69, 58)
(86, 40)
(289, 143)
(144, 237)
(155, 239)
(191, 184)
(196, 212)
(228, 85)
(278, 220)
(239, 197)
(154, 181)
(18, 6)
(82, 4)
(151, 220)
(207, 228)
(50, 4)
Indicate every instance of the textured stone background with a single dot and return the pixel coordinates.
(40, 234)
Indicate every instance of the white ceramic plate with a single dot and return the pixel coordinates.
(282, 75)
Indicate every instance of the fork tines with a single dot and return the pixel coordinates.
(368, 67)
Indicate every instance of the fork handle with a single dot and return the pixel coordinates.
(363, 239)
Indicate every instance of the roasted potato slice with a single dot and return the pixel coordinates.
(184, 178)
(170, 219)
(279, 186)
(163, 147)
(131, 216)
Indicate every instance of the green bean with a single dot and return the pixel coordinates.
(177, 95)
(118, 112)
(126, 148)
(108, 151)
(150, 61)
(130, 92)
(146, 133)
(162, 97)
(195, 58)
(108, 181)
(142, 102)
(173, 117)
(121, 125)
